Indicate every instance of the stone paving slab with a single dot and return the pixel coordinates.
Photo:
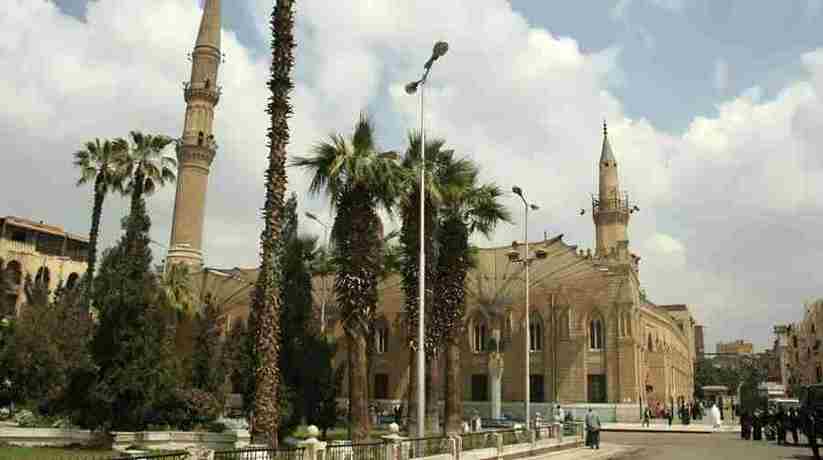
(607, 451)
(660, 428)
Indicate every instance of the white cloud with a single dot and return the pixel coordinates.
(721, 75)
(523, 102)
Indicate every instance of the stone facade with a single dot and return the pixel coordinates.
(594, 336)
(41, 251)
(802, 354)
(736, 347)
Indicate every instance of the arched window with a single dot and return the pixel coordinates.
(564, 321)
(596, 334)
(650, 345)
(628, 323)
(15, 271)
(381, 339)
(794, 341)
(479, 336)
(72, 281)
(43, 276)
(535, 332)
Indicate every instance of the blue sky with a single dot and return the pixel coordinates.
(715, 112)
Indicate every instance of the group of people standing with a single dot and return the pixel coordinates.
(686, 413)
(776, 424)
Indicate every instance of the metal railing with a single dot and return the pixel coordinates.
(366, 451)
(514, 436)
(427, 447)
(478, 440)
(259, 454)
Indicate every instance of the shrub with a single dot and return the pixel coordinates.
(25, 419)
(186, 408)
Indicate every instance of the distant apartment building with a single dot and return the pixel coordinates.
(699, 344)
(802, 352)
(736, 347)
(44, 252)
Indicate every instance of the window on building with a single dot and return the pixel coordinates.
(535, 333)
(18, 236)
(596, 334)
(480, 387)
(536, 389)
(479, 337)
(650, 344)
(818, 373)
(43, 276)
(794, 341)
(564, 323)
(71, 282)
(381, 339)
(381, 386)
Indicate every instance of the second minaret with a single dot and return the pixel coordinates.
(197, 147)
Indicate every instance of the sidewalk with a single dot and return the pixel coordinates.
(674, 428)
(606, 451)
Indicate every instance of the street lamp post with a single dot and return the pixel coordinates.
(526, 260)
(440, 48)
(325, 287)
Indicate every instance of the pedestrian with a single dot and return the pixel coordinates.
(715, 417)
(745, 426)
(593, 430)
(780, 424)
(647, 413)
(757, 423)
(670, 415)
(794, 423)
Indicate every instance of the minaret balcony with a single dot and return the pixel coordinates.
(617, 203)
(203, 91)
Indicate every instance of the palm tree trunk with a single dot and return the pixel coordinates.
(94, 234)
(454, 388)
(411, 396)
(359, 384)
(266, 302)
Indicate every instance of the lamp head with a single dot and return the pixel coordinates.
(411, 88)
(534, 207)
(311, 216)
(517, 191)
(440, 48)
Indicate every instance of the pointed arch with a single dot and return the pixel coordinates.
(597, 331)
(381, 335)
(650, 344)
(535, 331)
(564, 323)
(479, 331)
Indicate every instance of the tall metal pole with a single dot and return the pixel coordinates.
(421, 292)
(325, 284)
(528, 331)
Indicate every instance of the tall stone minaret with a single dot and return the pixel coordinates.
(610, 209)
(197, 148)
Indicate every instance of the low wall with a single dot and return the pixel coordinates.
(609, 413)
(154, 440)
(44, 437)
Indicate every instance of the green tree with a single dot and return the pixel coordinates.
(134, 345)
(99, 163)
(265, 308)
(145, 168)
(358, 180)
(177, 289)
(466, 210)
(47, 344)
(209, 369)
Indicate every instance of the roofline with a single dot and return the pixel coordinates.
(42, 228)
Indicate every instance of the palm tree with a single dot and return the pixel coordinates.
(145, 168)
(177, 289)
(443, 173)
(265, 311)
(98, 162)
(358, 180)
(466, 209)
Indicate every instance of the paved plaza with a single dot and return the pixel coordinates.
(725, 446)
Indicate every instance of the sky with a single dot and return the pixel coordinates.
(715, 114)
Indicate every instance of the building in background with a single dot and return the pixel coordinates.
(802, 352)
(737, 347)
(699, 344)
(43, 251)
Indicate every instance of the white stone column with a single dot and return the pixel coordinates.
(496, 383)
(313, 448)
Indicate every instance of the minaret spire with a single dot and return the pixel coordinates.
(610, 209)
(197, 146)
(209, 33)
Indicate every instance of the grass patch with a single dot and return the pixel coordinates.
(47, 453)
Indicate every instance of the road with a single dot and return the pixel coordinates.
(725, 446)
